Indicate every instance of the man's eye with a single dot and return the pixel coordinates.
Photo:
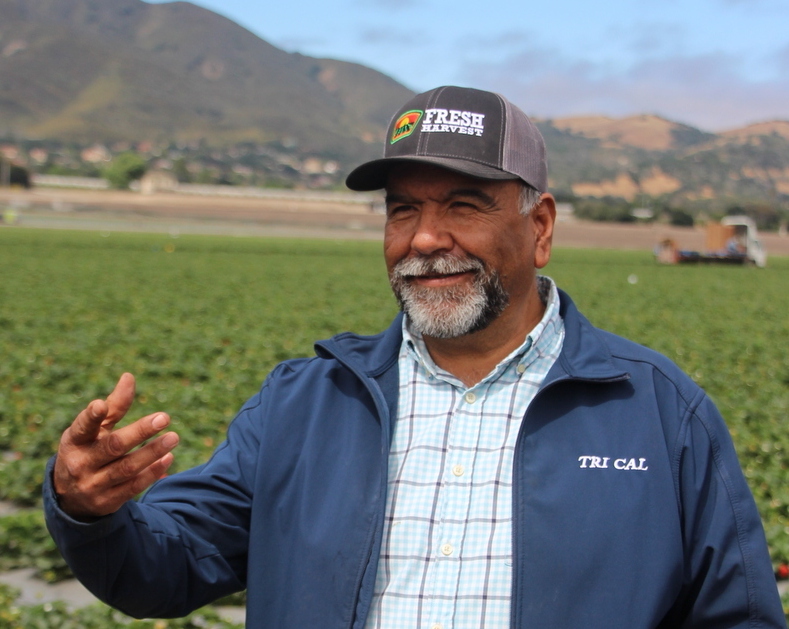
(398, 209)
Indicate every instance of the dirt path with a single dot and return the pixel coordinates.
(292, 217)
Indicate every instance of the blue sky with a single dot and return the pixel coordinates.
(713, 64)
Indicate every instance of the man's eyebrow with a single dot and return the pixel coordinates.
(474, 193)
(393, 197)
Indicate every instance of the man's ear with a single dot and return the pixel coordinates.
(543, 217)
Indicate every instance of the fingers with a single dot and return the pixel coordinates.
(129, 467)
(120, 400)
(112, 499)
(85, 428)
(98, 467)
(103, 414)
(96, 499)
(86, 491)
(83, 451)
(123, 440)
(148, 476)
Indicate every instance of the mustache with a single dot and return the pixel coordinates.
(436, 265)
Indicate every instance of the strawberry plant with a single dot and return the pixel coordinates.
(201, 320)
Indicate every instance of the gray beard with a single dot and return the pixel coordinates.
(448, 312)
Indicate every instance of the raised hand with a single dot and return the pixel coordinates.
(98, 467)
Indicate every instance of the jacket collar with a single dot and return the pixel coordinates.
(371, 355)
(585, 355)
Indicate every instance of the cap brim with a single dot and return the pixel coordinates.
(373, 175)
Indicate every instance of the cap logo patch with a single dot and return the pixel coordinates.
(405, 125)
(453, 121)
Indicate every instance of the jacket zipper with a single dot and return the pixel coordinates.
(516, 522)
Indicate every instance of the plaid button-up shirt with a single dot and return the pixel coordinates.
(446, 557)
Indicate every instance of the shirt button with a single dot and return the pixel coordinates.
(447, 549)
(438, 625)
(521, 368)
(458, 470)
(470, 397)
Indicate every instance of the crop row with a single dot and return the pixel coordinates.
(200, 321)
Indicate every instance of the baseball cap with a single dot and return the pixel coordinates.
(465, 130)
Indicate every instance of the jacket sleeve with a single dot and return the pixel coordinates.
(728, 580)
(183, 545)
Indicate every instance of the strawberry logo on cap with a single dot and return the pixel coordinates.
(405, 125)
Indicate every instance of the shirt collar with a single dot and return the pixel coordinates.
(542, 334)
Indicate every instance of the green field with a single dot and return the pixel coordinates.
(200, 321)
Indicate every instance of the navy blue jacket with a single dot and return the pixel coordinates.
(630, 508)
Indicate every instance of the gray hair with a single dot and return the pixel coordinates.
(530, 198)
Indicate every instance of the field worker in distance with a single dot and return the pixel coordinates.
(491, 460)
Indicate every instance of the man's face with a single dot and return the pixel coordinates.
(458, 251)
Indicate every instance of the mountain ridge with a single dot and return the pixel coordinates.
(85, 69)
(89, 71)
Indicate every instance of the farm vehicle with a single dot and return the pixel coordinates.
(732, 241)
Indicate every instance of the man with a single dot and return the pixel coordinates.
(491, 460)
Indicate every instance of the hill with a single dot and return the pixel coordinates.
(119, 72)
(647, 132)
(89, 70)
(645, 158)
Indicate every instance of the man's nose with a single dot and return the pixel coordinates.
(432, 234)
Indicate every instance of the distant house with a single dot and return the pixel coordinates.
(9, 151)
(96, 154)
(312, 166)
(158, 181)
(38, 155)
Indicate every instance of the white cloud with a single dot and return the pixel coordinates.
(303, 45)
(655, 38)
(707, 91)
(388, 37)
